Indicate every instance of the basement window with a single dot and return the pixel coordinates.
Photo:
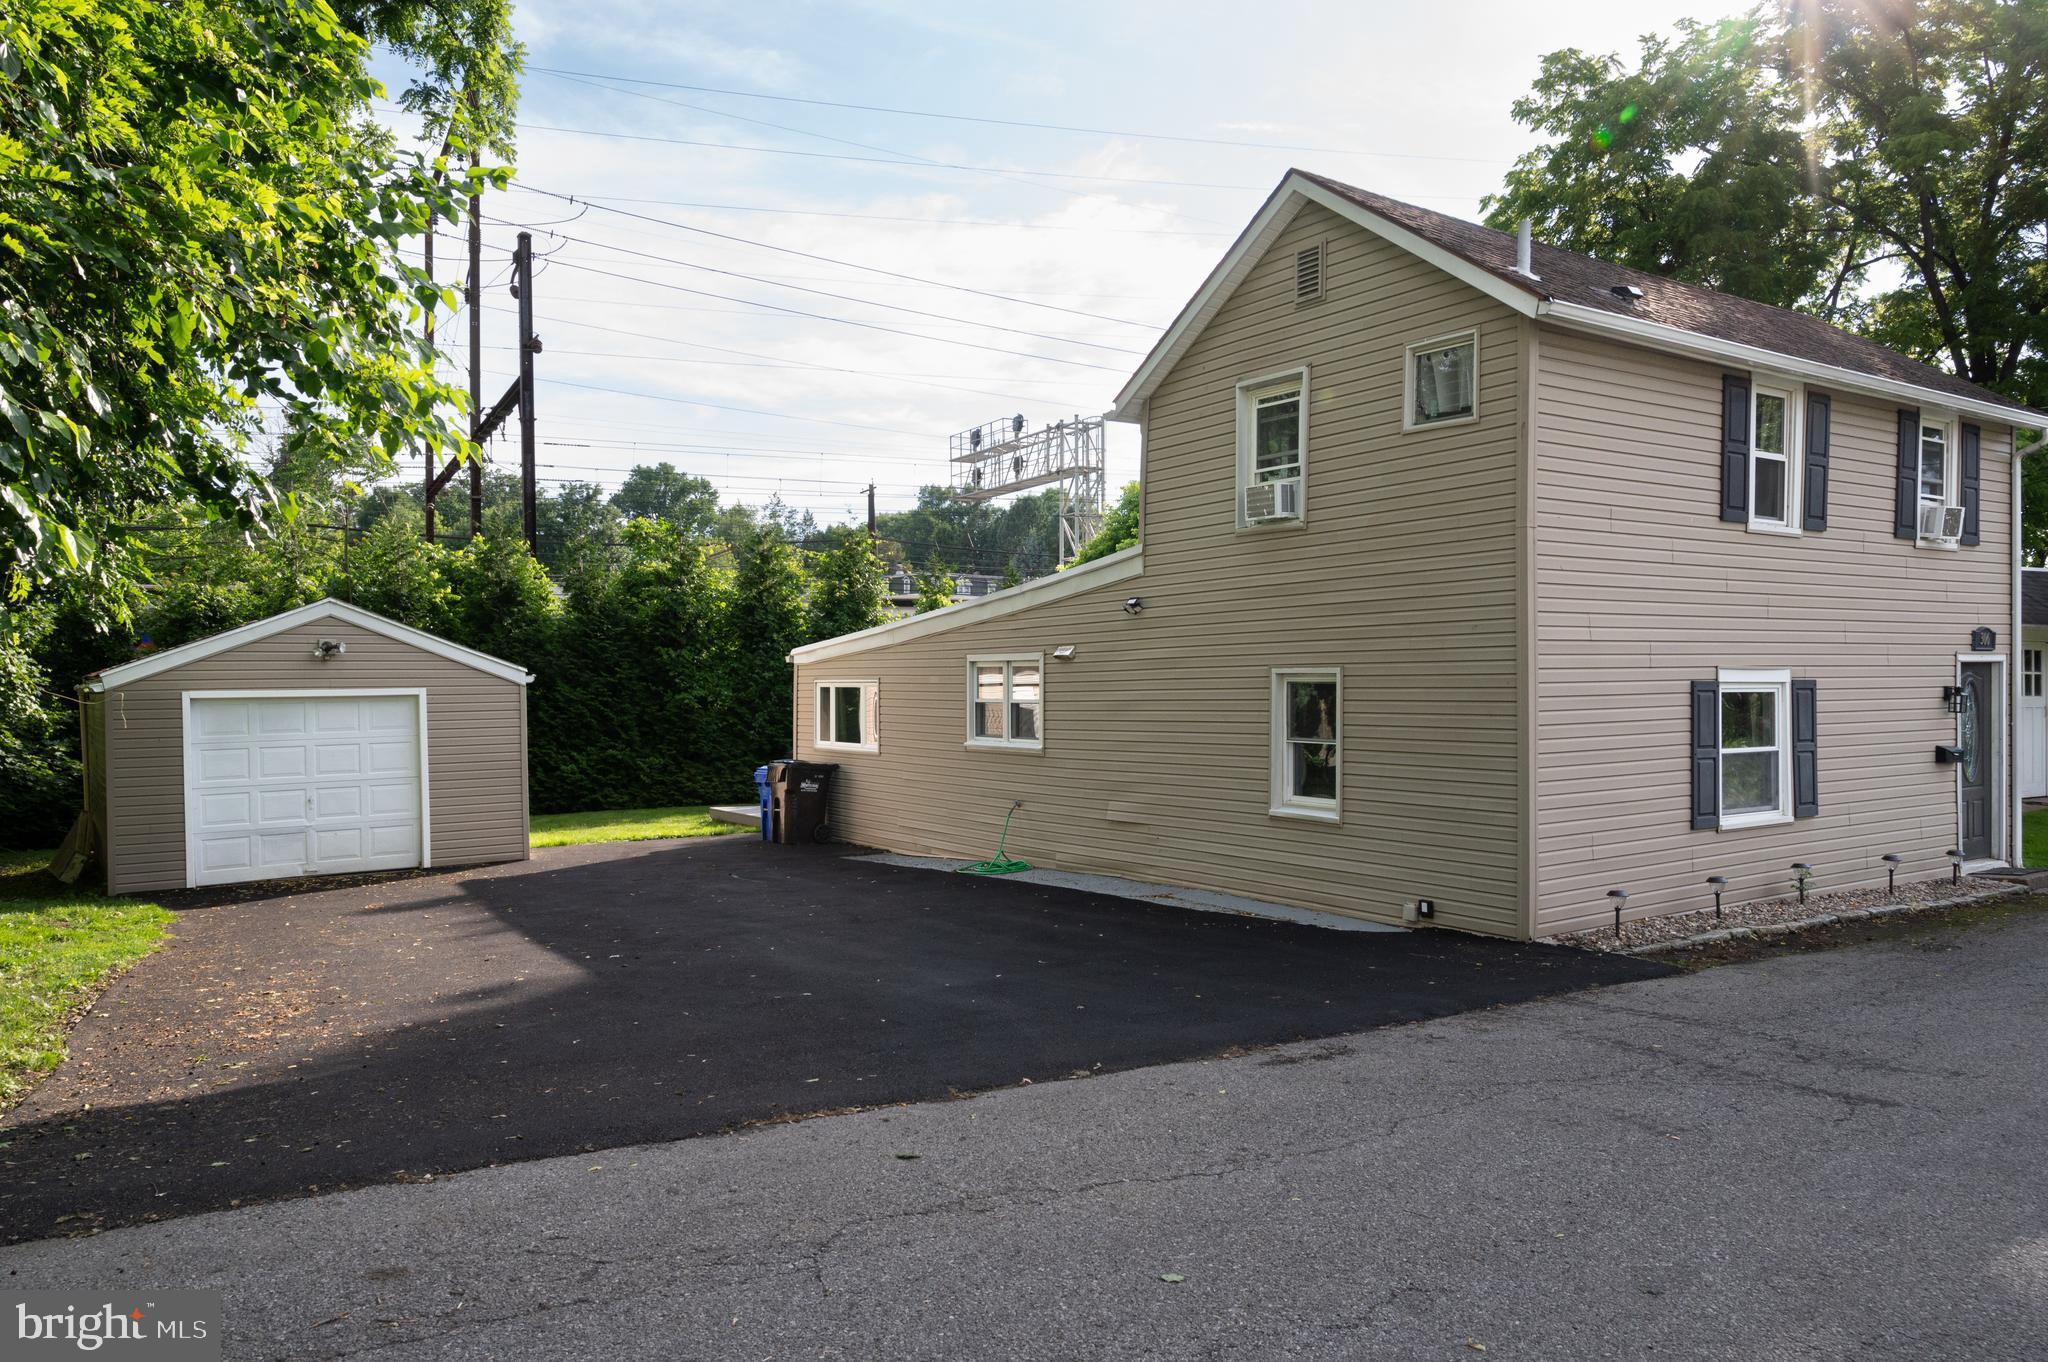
(846, 715)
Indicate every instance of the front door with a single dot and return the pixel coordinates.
(1975, 734)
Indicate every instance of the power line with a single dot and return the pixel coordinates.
(843, 321)
(849, 298)
(847, 264)
(792, 366)
(891, 217)
(908, 165)
(1012, 122)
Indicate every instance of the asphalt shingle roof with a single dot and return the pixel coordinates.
(1568, 277)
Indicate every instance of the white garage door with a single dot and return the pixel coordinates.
(317, 786)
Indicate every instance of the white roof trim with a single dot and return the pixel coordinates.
(1677, 340)
(321, 609)
(1295, 189)
(1117, 567)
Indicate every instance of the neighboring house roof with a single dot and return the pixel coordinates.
(1580, 292)
(2034, 596)
(1115, 567)
(322, 609)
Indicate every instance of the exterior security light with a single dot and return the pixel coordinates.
(1064, 653)
(328, 648)
(1133, 605)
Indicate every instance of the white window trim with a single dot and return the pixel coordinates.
(1951, 471)
(1794, 396)
(1445, 342)
(870, 701)
(1743, 679)
(1008, 660)
(1248, 393)
(1281, 804)
(2033, 672)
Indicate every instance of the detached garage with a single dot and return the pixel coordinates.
(326, 740)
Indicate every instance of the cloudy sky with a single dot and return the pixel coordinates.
(711, 161)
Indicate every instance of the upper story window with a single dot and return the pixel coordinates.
(1006, 701)
(1272, 447)
(1939, 485)
(1442, 381)
(846, 715)
(1773, 459)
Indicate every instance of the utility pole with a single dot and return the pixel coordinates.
(871, 513)
(476, 321)
(528, 343)
(428, 475)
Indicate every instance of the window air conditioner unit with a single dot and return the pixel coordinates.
(1265, 501)
(1943, 524)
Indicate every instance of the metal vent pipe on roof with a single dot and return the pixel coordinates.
(1523, 233)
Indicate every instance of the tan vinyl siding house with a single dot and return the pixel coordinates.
(399, 749)
(1513, 610)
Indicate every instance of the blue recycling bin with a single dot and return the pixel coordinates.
(767, 804)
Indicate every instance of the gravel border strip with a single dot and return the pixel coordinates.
(1818, 920)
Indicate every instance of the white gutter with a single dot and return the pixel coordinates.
(1106, 571)
(2014, 672)
(1579, 317)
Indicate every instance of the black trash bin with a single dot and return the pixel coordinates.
(802, 791)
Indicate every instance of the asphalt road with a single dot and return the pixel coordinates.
(608, 995)
(1825, 1156)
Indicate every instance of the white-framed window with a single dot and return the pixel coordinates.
(1308, 742)
(1006, 701)
(1272, 448)
(1442, 383)
(1756, 748)
(1774, 458)
(2030, 672)
(846, 715)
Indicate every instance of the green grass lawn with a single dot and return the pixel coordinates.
(59, 946)
(626, 825)
(2034, 834)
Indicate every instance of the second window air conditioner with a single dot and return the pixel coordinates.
(1941, 523)
(1266, 501)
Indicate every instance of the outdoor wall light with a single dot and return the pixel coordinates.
(328, 648)
(1063, 653)
(1133, 606)
(1952, 699)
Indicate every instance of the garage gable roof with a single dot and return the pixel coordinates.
(323, 609)
(1584, 294)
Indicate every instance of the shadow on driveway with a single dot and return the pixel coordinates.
(608, 995)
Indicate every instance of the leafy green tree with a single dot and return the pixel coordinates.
(934, 588)
(197, 217)
(39, 769)
(766, 618)
(1119, 529)
(1011, 577)
(846, 587)
(665, 492)
(1883, 165)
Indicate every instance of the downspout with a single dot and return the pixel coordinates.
(2016, 820)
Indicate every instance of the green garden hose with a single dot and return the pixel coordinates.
(1000, 864)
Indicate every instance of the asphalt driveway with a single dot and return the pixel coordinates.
(611, 995)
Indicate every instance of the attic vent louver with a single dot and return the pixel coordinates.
(1308, 274)
(1627, 291)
